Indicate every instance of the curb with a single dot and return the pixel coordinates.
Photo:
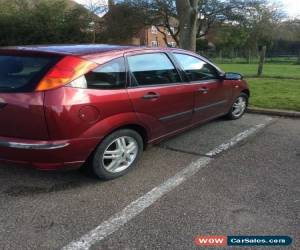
(277, 112)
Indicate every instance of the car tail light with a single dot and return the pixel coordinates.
(65, 71)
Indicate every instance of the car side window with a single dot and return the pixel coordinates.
(152, 69)
(195, 68)
(111, 75)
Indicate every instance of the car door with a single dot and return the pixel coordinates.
(211, 93)
(159, 97)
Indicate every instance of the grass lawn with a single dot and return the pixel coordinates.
(279, 88)
(270, 70)
(275, 93)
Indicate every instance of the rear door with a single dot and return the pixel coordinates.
(159, 97)
(21, 108)
(211, 94)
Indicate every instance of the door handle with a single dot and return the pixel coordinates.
(151, 95)
(203, 90)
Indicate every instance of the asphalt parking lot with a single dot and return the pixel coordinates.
(250, 186)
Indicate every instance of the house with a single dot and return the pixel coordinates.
(149, 35)
(153, 36)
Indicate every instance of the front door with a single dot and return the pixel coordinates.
(159, 97)
(211, 94)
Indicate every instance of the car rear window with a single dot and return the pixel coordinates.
(22, 73)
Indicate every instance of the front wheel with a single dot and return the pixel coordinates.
(117, 154)
(239, 107)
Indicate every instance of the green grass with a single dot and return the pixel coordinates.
(275, 93)
(254, 60)
(270, 70)
(278, 88)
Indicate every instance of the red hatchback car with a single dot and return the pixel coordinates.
(62, 106)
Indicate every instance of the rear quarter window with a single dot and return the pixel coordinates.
(22, 73)
(111, 75)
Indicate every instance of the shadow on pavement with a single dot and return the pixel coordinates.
(22, 181)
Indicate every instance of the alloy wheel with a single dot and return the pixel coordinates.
(239, 106)
(120, 154)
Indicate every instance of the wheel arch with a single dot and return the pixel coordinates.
(137, 128)
(246, 91)
(142, 131)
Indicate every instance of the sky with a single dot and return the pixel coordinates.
(292, 7)
(90, 1)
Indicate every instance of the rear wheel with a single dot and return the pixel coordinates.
(117, 154)
(239, 107)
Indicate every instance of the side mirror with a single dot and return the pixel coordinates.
(232, 76)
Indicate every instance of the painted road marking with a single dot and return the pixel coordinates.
(119, 219)
(239, 137)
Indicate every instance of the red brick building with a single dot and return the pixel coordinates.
(152, 37)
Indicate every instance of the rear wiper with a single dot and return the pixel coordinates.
(6, 88)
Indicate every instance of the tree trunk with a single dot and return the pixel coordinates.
(262, 56)
(221, 56)
(249, 56)
(111, 4)
(94, 35)
(187, 14)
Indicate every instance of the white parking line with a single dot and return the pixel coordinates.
(119, 219)
(239, 137)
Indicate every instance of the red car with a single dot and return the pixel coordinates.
(62, 106)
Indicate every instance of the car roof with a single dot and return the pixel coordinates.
(71, 49)
(88, 50)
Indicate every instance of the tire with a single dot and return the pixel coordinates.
(117, 154)
(239, 107)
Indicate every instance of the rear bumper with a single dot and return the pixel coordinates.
(47, 155)
(37, 146)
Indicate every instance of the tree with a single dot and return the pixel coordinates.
(228, 38)
(287, 38)
(96, 9)
(187, 15)
(42, 21)
(262, 31)
(262, 57)
(120, 24)
(195, 17)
